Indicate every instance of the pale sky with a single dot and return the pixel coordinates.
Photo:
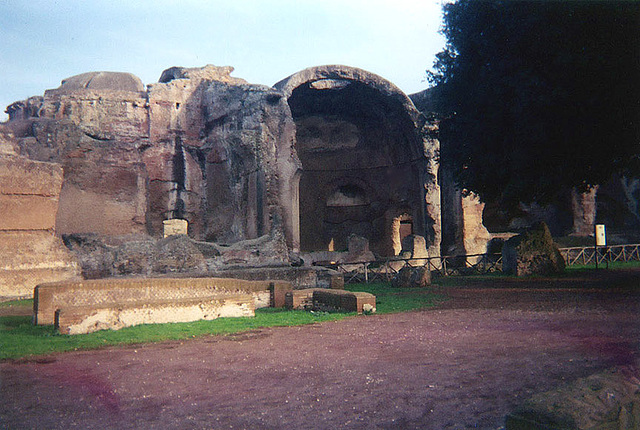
(44, 41)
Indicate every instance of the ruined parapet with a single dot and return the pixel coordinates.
(93, 125)
(104, 105)
(29, 251)
(24, 109)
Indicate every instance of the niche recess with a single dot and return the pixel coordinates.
(361, 160)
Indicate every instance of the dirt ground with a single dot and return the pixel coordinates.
(463, 365)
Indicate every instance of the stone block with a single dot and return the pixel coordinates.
(346, 301)
(173, 227)
(19, 175)
(114, 316)
(358, 250)
(328, 299)
(278, 291)
(475, 234)
(97, 292)
(24, 212)
(299, 299)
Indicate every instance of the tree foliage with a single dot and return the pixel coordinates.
(539, 96)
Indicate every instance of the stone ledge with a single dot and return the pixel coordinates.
(114, 316)
(606, 400)
(27, 212)
(20, 175)
(320, 298)
(95, 293)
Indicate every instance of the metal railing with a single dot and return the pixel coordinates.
(601, 255)
(384, 270)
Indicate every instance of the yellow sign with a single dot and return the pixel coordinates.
(601, 237)
(175, 226)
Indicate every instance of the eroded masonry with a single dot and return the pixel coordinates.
(260, 173)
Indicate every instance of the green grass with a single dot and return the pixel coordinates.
(28, 303)
(612, 266)
(391, 300)
(19, 338)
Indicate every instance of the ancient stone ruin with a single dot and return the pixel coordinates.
(260, 174)
(29, 251)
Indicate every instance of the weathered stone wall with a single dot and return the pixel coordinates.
(133, 158)
(249, 161)
(221, 153)
(583, 206)
(29, 251)
(618, 203)
(94, 126)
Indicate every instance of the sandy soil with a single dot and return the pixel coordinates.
(463, 365)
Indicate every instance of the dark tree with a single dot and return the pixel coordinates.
(537, 97)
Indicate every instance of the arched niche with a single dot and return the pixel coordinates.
(359, 140)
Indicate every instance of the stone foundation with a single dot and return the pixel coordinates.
(81, 320)
(108, 293)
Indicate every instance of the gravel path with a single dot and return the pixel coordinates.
(464, 365)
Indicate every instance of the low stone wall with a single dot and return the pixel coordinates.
(81, 320)
(50, 297)
(323, 299)
(606, 400)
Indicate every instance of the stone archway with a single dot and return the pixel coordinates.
(401, 227)
(359, 139)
